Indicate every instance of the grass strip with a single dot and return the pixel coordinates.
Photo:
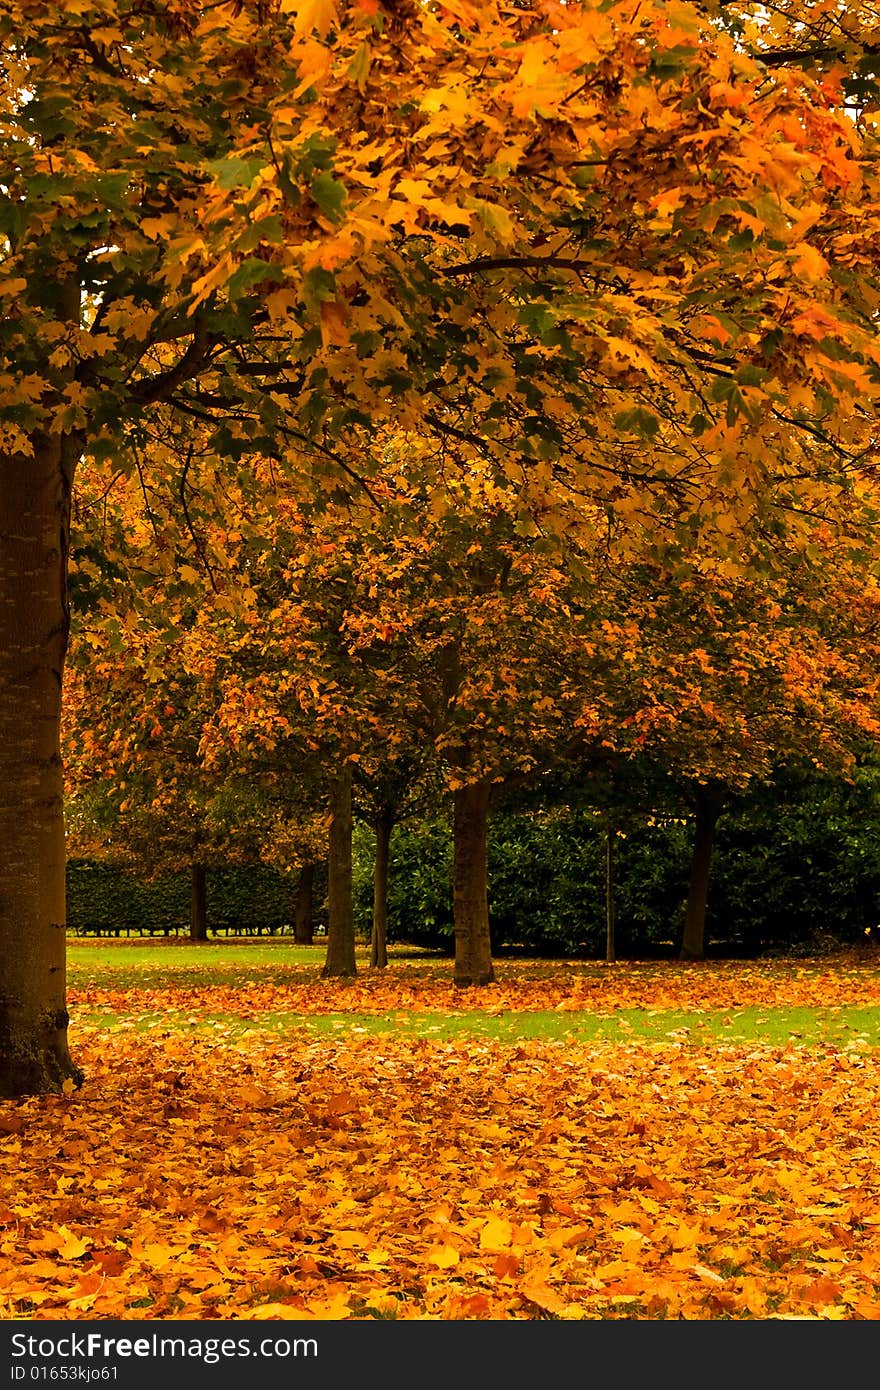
(857, 1028)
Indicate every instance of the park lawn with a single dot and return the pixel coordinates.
(805, 1027)
(575, 1141)
(286, 978)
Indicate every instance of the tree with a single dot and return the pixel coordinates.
(295, 706)
(738, 671)
(293, 221)
(138, 695)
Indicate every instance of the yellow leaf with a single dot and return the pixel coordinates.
(311, 14)
(283, 1311)
(665, 203)
(332, 1308)
(625, 1235)
(350, 1240)
(543, 1297)
(333, 329)
(810, 263)
(207, 283)
(686, 1236)
(569, 1237)
(155, 227)
(71, 1247)
(251, 1098)
(43, 1269)
(496, 1234)
(158, 1256)
(443, 1256)
(496, 220)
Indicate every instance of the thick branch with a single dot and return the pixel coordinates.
(159, 388)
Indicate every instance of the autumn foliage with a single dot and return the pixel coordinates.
(433, 397)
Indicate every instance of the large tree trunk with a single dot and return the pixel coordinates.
(708, 809)
(198, 907)
(379, 936)
(473, 952)
(340, 899)
(34, 624)
(303, 920)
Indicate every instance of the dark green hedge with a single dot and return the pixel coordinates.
(249, 899)
(787, 869)
(546, 884)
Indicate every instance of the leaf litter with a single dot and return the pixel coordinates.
(358, 1176)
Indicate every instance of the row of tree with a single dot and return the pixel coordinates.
(404, 650)
(619, 261)
(795, 868)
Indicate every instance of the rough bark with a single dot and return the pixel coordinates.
(34, 625)
(473, 952)
(708, 809)
(303, 920)
(379, 935)
(198, 908)
(610, 953)
(340, 899)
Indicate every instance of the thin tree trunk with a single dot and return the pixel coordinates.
(198, 903)
(303, 921)
(340, 898)
(708, 809)
(379, 935)
(473, 951)
(34, 625)
(610, 955)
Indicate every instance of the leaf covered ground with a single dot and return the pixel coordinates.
(250, 981)
(204, 1174)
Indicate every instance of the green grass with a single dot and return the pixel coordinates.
(845, 1027)
(229, 950)
(131, 964)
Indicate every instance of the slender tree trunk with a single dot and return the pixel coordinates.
(379, 936)
(610, 955)
(303, 921)
(340, 930)
(473, 952)
(34, 624)
(708, 809)
(198, 903)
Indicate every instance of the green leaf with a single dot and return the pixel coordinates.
(359, 67)
(539, 319)
(751, 375)
(329, 194)
(637, 421)
(251, 272)
(232, 172)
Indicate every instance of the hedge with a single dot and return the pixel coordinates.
(785, 872)
(104, 900)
